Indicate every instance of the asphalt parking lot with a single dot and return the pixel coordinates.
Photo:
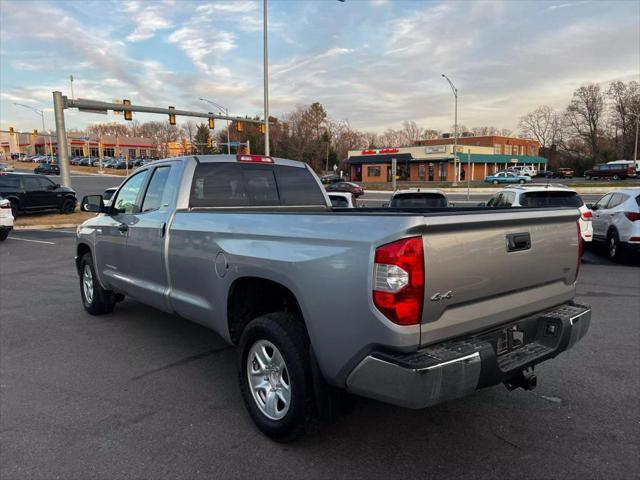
(142, 394)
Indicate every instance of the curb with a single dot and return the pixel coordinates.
(45, 227)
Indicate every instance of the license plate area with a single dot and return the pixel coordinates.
(509, 339)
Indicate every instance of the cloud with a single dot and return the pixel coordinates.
(227, 7)
(201, 48)
(148, 19)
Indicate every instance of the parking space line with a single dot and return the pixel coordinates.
(29, 240)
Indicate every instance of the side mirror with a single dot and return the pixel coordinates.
(93, 203)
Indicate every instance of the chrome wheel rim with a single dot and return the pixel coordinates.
(87, 283)
(269, 380)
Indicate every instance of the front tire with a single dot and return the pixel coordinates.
(495, 182)
(275, 375)
(613, 246)
(68, 206)
(95, 299)
(520, 182)
(587, 178)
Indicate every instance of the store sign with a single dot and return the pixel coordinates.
(382, 151)
(436, 149)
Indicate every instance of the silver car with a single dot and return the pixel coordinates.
(616, 221)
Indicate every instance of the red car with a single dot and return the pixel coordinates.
(349, 187)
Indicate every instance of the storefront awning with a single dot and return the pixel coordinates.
(362, 159)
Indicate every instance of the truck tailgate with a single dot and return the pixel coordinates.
(485, 269)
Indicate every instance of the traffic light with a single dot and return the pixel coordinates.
(128, 115)
(262, 128)
(11, 131)
(212, 125)
(209, 142)
(172, 117)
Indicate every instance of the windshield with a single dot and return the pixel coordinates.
(405, 200)
(551, 199)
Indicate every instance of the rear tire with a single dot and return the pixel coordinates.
(275, 375)
(587, 177)
(4, 233)
(95, 299)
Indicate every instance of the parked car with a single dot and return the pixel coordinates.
(349, 187)
(330, 179)
(6, 167)
(374, 302)
(75, 160)
(524, 170)
(85, 161)
(613, 171)
(418, 198)
(120, 164)
(565, 172)
(506, 177)
(616, 222)
(29, 192)
(545, 196)
(6, 219)
(343, 200)
(47, 169)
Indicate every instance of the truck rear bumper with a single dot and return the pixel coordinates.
(458, 367)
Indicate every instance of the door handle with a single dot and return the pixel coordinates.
(518, 241)
(123, 227)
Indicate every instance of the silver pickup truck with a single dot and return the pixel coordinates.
(411, 307)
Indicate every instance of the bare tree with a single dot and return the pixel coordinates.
(543, 124)
(411, 132)
(584, 116)
(431, 134)
(625, 106)
(188, 130)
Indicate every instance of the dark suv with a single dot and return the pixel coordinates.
(31, 193)
(614, 171)
(47, 169)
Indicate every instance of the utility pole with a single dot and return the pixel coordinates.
(61, 132)
(266, 79)
(456, 170)
(635, 148)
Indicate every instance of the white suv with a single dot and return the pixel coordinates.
(6, 219)
(545, 196)
(616, 221)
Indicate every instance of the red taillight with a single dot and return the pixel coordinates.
(633, 216)
(587, 215)
(398, 280)
(254, 158)
(579, 250)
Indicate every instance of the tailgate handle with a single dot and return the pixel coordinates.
(517, 242)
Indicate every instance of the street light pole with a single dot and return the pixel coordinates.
(226, 112)
(266, 79)
(456, 173)
(41, 113)
(635, 148)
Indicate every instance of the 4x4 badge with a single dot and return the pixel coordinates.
(441, 296)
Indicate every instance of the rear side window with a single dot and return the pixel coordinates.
(237, 185)
(551, 199)
(9, 181)
(424, 200)
(616, 200)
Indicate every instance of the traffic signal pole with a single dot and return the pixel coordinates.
(61, 132)
(61, 102)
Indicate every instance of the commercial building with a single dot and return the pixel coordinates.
(80, 144)
(433, 160)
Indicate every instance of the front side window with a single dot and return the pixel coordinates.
(127, 200)
(156, 189)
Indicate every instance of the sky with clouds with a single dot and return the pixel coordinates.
(374, 63)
